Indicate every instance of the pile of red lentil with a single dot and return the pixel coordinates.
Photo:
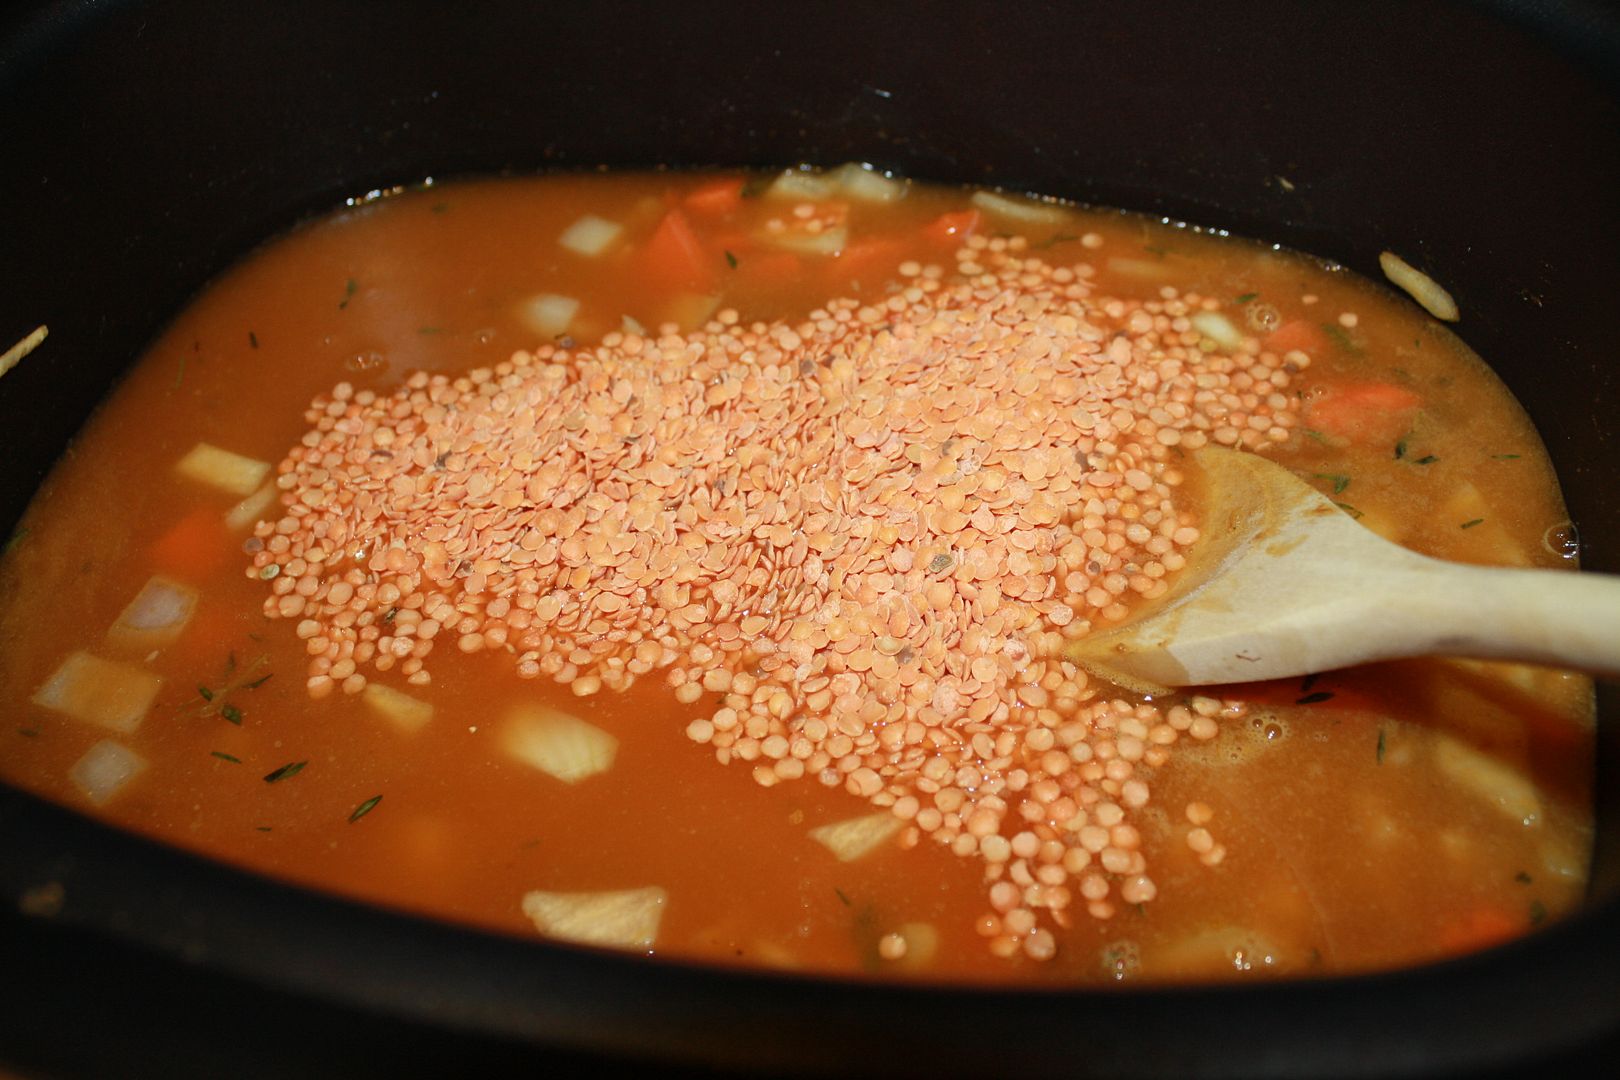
(870, 533)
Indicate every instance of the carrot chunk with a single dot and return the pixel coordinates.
(952, 228)
(1479, 929)
(1301, 334)
(861, 260)
(1363, 412)
(674, 257)
(716, 198)
(196, 544)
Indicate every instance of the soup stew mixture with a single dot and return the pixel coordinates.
(685, 564)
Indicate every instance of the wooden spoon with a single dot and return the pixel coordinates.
(1284, 583)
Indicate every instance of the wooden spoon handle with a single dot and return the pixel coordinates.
(1567, 620)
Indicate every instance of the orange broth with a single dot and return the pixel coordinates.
(1362, 814)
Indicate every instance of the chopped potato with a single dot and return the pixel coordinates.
(104, 770)
(558, 744)
(549, 314)
(590, 235)
(1032, 211)
(623, 919)
(403, 711)
(852, 838)
(222, 469)
(109, 693)
(867, 184)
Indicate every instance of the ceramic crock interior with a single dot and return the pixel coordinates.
(150, 145)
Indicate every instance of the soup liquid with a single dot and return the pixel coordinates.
(1347, 843)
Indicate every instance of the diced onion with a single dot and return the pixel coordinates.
(104, 770)
(1422, 288)
(107, 693)
(251, 510)
(1146, 269)
(403, 711)
(558, 744)
(549, 314)
(801, 184)
(223, 469)
(1218, 328)
(623, 919)
(867, 184)
(852, 838)
(155, 617)
(590, 235)
(1027, 210)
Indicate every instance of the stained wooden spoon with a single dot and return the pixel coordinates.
(1283, 583)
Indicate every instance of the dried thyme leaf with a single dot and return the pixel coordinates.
(292, 768)
(364, 808)
(234, 760)
(1316, 698)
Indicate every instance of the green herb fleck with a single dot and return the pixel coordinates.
(1309, 681)
(842, 897)
(1246, 297)
(1340, 481)
(1471, 523)
(180, 375)
(1522, 877)
(1381, 746)
(231, 713)
(940, 563)
(292, 768)
(1352, 511)
(1504, 457)
(1314, 434)
(1056, 239)
(207, 694)
(261, 828)
(16, 538)
(1400, 450)
(256, 683)
(1316, 698)
(253, 339)
(28, 732)
(270, 571)
(1538, 913)
(1426, 459)
(364, 808)
(390, 614)
(731, 260)
(350, 287)
(1340, 338)
(223, 756)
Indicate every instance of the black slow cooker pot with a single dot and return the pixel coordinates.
(148, 145)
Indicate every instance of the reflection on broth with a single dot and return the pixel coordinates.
(683, 564)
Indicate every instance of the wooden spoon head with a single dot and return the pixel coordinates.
(1254, 513)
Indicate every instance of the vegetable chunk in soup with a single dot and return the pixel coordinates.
(684, 564)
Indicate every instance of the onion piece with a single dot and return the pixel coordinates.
(104, 770)
(408, 714)
(1496, 782)
(1420, 286)
(1034, 211)
(854, 837)
(826, 242)
(155, 617)
(108, 693)
(558, 744)
(623, 918)
(549, 314)
(1218, 328)
(590, 235)
(223, 469)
